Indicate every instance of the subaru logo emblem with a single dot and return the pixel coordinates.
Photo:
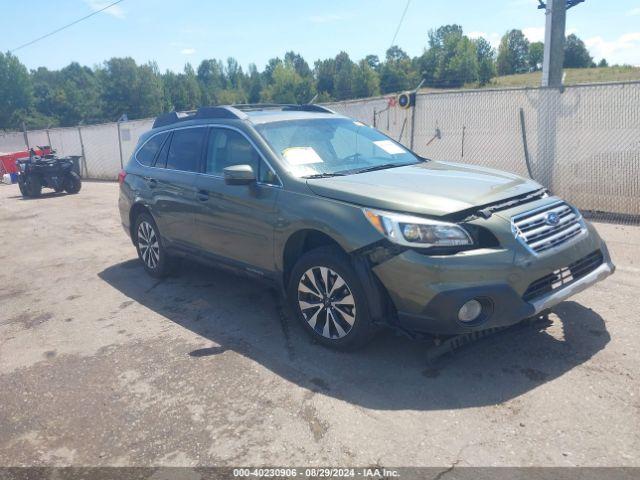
(552, 218)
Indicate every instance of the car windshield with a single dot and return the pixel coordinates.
(326, 147)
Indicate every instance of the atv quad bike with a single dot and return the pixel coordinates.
(50, 171)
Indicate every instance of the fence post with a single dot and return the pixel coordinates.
(524, 143)
(84, 158)
(26, 136)
(120, 145)
(413, 125)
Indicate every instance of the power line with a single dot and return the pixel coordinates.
(66, 26)
(393, 42)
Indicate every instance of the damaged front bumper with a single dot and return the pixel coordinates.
(429, 290)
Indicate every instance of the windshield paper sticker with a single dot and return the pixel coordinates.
(301, 156)
(390, 147)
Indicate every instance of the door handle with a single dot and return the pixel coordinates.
(202, 195)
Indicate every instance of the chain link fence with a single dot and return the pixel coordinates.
(582, 142)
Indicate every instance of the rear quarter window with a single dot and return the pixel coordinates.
(150, 149)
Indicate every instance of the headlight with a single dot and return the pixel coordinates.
(416, 231)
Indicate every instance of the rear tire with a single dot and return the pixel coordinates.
(23, 188)
(150, 247)
(72, 183)
(328, 298)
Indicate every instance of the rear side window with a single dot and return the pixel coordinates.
(149, 150)
(185, 150)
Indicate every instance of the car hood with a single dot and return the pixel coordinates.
(430, 188)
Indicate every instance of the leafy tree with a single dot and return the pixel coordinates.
(298, 63)
(325, 71)
(366, 82)
(513, 53)
(212, 79)
(453, 59)
(373, 61)
(343, 80)
(396, 72)
(486, 63)
(536, 56)
(603, 63)
(288, 86)
(576, 54)
(254, 84)
(270, 69)
(16, 90)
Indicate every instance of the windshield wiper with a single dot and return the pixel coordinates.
(373, 168)
(323, 175)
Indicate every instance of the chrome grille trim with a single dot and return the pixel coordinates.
(531, 228)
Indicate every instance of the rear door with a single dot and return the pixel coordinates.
(173, 184)
(236, 222)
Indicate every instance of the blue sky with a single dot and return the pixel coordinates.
(173, 32)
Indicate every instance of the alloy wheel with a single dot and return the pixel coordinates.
(326, 302)
(148, 245)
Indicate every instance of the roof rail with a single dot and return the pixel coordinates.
(224, 112)
(287, 107)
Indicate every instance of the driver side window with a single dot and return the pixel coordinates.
(227, 148)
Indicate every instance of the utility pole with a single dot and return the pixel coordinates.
(556, 13)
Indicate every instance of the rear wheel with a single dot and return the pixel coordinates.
(23, 188)
(151, 251)
(328, 298)
(72, 183)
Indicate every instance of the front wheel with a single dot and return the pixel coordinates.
(72, 183)
(329, 300)
(33, 186)
(151, 251)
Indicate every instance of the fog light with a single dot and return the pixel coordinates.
(470, 311)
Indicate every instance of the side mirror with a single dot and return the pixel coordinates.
(239, 175)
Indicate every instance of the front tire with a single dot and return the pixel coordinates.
(151, 251)
(72, 183)
(328, 298)
(33, 186)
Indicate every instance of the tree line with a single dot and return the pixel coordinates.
(77, 94)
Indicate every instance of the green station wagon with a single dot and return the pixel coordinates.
(355, 229)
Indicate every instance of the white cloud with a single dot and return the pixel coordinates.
(188, 51)
(327, 18)
(493, 38)
(534, 34)
(633, 12)
(624, 49)
(115, 11)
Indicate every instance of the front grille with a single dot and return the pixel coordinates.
(536, 230)
(564, 276)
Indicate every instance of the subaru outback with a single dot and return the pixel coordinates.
(356, 230)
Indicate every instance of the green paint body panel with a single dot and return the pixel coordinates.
(249, 226)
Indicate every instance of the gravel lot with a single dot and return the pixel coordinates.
(102, 365)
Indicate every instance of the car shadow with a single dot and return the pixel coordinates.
(392, 372)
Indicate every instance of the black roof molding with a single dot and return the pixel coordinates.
(309, 107)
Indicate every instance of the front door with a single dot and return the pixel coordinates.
(236, 222)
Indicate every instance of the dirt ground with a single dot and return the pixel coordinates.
(102, 365)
